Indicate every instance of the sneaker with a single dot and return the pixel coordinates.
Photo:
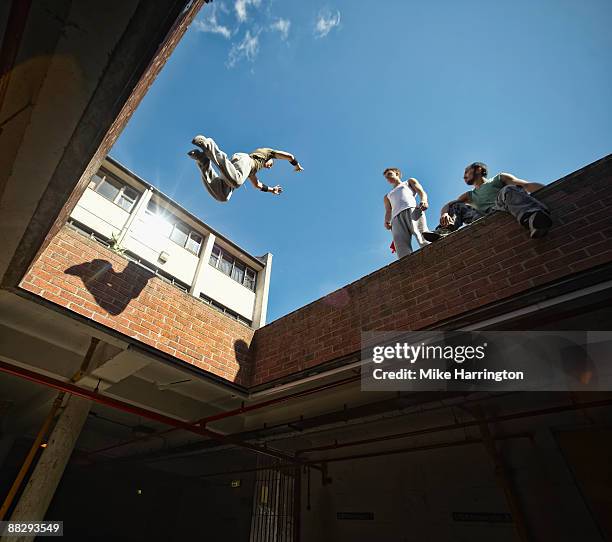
(196, 154)
(538, 223)
(435, 235)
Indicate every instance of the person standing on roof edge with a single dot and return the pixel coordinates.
(504, 192)
(235, 171)
(402, 214)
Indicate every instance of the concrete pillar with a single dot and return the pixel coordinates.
(198, 278)
(39, 491)
(261, 294)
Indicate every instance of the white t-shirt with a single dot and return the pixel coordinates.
(401, 197)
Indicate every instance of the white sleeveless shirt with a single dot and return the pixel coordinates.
(401, 197)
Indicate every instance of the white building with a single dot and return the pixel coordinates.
(122, 210)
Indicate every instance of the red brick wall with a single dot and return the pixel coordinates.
(490, 261)
(89, 279)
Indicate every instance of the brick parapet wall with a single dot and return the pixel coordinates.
(490, 261)
(80, 274)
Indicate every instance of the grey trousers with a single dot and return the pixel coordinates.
(518, 202)
(404, 225)
(510, 199)
(232, 173)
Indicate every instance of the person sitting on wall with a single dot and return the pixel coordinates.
(504, 192)
(402, 214)
(234, 172)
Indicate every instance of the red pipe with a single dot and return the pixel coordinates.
(462, 425)
(277, 400)
(419, 448)
(435, 446)
(130, 441)
(229, 413)
(68, 387)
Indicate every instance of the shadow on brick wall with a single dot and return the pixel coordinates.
(112, 291)
(243, 358)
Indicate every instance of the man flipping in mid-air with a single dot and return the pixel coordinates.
(233, 173)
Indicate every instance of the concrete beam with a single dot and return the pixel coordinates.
(37, 354)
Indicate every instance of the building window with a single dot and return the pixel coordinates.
(225, 310)
(214, 256)
(237, 270)
(180, 234)
(167, 225)
(127, 198)
(157, 221)
(107, 187)
(250, 279)
(226, 263)
(114, 190)
(166, 277)
(194, 243)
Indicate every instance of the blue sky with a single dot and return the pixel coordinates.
(351, 87)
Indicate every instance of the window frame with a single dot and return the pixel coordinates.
(190, 238)
(225, 310)
(254, 278)
(182, 230)
(175, 221)
(103, 176)
(122, 195)
(246, 268)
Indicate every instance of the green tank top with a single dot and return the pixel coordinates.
(483, 197)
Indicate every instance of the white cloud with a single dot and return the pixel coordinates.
(282, 26)
(241, 8)
(326, 21)
(215, 21)
(209, 24)
(248, 48)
